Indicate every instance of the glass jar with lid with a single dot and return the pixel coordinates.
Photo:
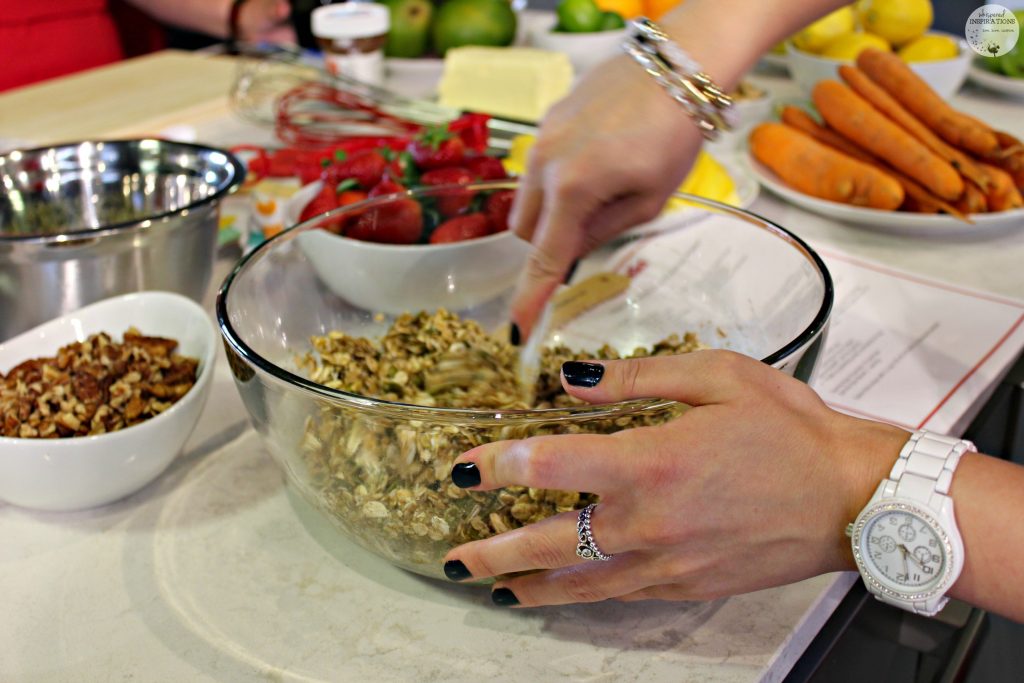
(352, 37)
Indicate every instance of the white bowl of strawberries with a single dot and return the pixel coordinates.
(384, 247)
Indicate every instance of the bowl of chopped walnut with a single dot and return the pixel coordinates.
(97, 403)
(365, 410)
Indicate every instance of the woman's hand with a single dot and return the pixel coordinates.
(750, 488)
(606, 158)
(266, 21)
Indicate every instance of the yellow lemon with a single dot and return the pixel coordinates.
(846, 47)
(929, 48)
(898, 21)
(708, 179)
(814, 37)
(515, 162)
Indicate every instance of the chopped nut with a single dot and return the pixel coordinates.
(94, 387)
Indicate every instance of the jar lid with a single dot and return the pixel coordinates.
(351, 20)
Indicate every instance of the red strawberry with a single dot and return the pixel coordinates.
(450, 202)
(396, 222)
(437, 148)
(386, 186)
(461, 228)
(401, 168)
(320, 204)
(486, 168)
(497, 208)
(351, 197)
(366, 167)
(346, 198)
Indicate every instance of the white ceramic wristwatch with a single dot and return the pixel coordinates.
(906, 542)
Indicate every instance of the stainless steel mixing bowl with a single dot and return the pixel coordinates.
(85, 221)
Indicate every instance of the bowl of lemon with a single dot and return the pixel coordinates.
(817, 51)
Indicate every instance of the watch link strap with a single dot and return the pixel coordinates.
(925, 467)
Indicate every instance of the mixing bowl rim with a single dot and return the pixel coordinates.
(280, 374)
(238, 173)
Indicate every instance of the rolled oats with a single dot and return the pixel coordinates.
(384, 474)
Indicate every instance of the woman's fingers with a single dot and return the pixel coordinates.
(698, 378)
(576, 462)
(548, 544)
(590, 581)
(668, 591)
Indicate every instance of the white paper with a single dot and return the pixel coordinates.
(913, 351)
(901, 348)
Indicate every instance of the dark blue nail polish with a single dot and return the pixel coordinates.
(503, 597)
(580, 374)
(572, 271)
(465, 475)
(514, 334)
(456, 570)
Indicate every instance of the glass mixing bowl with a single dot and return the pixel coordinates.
(379, 470)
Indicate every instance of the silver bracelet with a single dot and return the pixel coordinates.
(681, 77)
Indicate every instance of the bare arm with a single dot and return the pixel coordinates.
(988, 495)
(257, 19)
(751, 488)
(608, 156)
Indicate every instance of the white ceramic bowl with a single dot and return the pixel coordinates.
(394, 278)
(584, 50)
(945, 76)
(83, 472)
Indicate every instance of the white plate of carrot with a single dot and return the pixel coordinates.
(890, 154)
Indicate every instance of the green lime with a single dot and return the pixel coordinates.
(410, 27)
(580, 16)
(473, 22)
(612, 21)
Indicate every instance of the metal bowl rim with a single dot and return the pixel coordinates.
(238, 174)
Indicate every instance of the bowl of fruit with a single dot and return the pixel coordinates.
(583, 31)
(816, 52)
(399, 249)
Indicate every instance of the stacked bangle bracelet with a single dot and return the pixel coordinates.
(681, 77)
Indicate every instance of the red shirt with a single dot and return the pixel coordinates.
(42, 39)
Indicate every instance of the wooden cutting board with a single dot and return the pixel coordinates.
(139, 96)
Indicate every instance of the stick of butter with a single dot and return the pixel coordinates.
(511, 82)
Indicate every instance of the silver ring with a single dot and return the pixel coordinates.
(587, 547)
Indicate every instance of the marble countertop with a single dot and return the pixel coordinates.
(215, 573)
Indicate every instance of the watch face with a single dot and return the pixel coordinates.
(902, 550)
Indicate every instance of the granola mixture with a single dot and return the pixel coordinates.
(93, 387)
(384, 476)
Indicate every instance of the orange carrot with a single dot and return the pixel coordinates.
(973, 199)
(856, 120)
(1009, 157)
(802, 121)
(899, 80)
(916, 199)
(885, 103)
(1008, 144)
(820, 171)
(1003, 194)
